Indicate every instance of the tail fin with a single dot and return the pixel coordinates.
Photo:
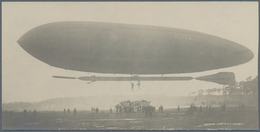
(226, 78)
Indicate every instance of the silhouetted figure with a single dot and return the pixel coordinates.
(34, 114)
(178, 108)
(64, 111)
(97, 110)
(200, 109)
(117, 109)
(139, 84)
(24, 113)
(242, 106)
(132, 84)
(150, 111)
(68, 111)
(191, 110)
(146, 112)
(74, 112)
(161, 108)
(110, 110)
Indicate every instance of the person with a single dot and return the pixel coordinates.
(64, 111)
(75, 112)
(191, 109)
(139, 84)
(132, 84)
(161, 108)
(68, 111)
(150, 111)
(25, 113)
(145, 111)
(97, 110)
(34, 114)
(178, 108)
(110, 110)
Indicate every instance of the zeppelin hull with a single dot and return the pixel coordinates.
(130, 49)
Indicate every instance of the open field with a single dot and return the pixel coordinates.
(231, 119)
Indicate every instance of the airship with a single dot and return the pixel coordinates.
(115, 48)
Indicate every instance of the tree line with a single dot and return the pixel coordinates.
(244, 92)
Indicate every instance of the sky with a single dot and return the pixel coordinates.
(24, 78)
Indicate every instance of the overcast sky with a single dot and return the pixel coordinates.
(24, 78)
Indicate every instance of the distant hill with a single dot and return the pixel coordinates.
(107, 102)
(85, 103)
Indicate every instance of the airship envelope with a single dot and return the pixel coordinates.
(130, 49)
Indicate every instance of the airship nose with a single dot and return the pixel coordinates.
(36, 44)
(23, 43)
(29, 43)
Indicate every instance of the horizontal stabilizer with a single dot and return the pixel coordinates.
(133, 78)
(226, 78)
(64, 77)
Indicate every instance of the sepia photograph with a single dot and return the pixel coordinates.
(130, 65)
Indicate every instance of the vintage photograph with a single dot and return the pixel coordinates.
(130, 65)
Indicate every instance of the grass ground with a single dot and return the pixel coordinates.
(232, 119)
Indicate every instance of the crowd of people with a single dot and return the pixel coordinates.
(68, 111)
